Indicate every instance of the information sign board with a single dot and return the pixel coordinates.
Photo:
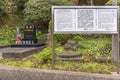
(85, 19)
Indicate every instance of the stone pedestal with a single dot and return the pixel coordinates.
(71, 45)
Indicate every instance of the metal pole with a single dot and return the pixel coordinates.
(115, 44)
(53, 60)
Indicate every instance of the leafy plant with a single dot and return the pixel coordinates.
(45, 56)
(40, 10)
(7, 35)
(111, 1)
(62, 38)
(94, 46)
(40, 35)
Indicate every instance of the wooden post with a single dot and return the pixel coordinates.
(91, 2)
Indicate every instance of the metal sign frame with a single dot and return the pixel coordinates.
(115, 36)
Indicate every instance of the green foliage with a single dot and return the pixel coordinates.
(40, 10)
(102, 68)
(111, 1)
(8, 6)
(95, 47)
(106, 50)
(12, 6)
(62, 38)
(78, 38)
(17, 63)
(45, 56)
(7, 35)
(1, 7)
(40, 35)
(11, 12)
(96, 67)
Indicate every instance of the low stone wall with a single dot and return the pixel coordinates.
(13, 73)
(10, 53)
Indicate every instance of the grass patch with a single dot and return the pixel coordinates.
(90, 67)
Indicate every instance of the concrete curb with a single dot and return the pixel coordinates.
(14, 73)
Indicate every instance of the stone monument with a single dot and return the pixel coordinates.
(29, 34)
(29, 39)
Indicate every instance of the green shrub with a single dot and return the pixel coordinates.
(40, 35)
(45, 56)
(111, 1)
(61, 38)
(78, 38)
(95, 47)
(40, 10)
(7, 35)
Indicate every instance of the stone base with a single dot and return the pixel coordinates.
(19, 52)
(28, 45)
(69, 55)
(70, 59)
(101, 59)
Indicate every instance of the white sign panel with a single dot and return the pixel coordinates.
(92, 20)
(64, 19)
(85, 20)
(107, 20)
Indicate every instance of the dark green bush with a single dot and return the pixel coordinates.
(40, 10)
(40, 35)
(7, 35)
(45, 56)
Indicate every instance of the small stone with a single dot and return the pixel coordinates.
(72, 42)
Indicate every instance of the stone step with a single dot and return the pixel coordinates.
(69, 55)
(102, 59)
(70, 59)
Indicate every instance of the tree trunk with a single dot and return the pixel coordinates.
(76, 2)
